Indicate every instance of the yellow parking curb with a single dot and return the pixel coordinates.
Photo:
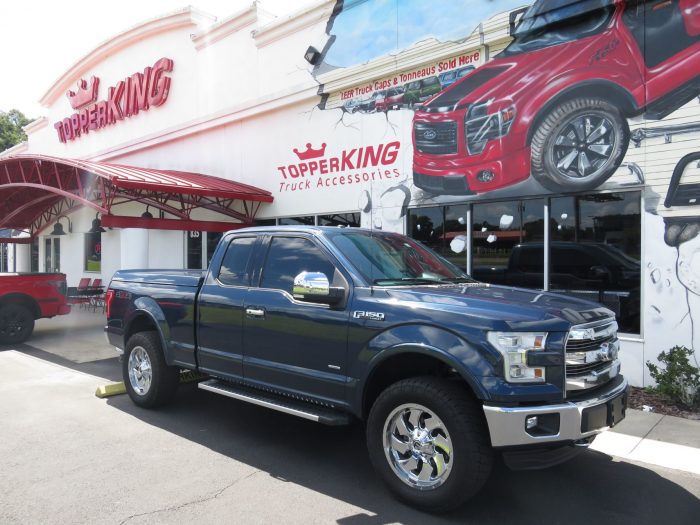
(115, 389)
(112, 389)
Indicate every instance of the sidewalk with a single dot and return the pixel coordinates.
(666, 441)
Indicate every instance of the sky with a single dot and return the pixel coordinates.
(369, 29)
(41, 39)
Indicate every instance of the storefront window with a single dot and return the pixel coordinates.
(340, 219)
(213, 239)
(35, 255)
(427, 226)
(93, 252)
(200, 248)
(194, 250)
(508, 243)
(308, 220)
(595, 252)
(52, 254)
(454, 248)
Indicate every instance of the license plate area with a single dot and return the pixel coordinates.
(607, 414)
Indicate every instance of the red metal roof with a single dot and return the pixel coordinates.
(34, 189)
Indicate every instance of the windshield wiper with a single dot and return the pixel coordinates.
(406, 280)
(458, 280)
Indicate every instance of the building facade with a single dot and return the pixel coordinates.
(553, 146)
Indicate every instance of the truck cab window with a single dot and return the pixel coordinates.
(288, 257)
(233, 267)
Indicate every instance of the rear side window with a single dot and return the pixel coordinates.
(288, 257)
(233, 267)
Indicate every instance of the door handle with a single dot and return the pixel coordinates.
(257, 313)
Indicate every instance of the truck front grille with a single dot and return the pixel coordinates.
(437, 138)
(591, 355)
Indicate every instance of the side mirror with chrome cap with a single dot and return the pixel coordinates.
(315, 287)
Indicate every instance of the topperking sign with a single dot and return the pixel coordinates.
(135, 93)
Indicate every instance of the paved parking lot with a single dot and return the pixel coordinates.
(69, 457)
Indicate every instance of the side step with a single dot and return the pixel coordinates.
(317, 413)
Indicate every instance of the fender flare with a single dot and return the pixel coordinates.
(145, 307)
(603, 88)
(424, 347)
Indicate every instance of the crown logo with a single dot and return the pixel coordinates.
(310, 153)
(85, 94)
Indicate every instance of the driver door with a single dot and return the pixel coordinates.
(290, 345)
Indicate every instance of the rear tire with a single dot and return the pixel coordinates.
(149, 381)
(16, 324)
(444, 457)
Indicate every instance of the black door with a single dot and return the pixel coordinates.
(220, 310)
(290, 345)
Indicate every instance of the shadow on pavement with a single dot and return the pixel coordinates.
(75, 341)
(592, 488)
(109, 369)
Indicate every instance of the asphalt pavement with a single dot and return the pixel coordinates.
(68, 457)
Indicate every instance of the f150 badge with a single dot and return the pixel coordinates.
(373, 316)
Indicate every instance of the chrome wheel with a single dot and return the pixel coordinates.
(140, 371)
(418, 446)
(585, 146)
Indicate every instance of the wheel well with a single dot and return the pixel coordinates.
(24, 300)
(613, 93)
(398, 367)
(141, 323)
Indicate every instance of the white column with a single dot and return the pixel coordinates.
(23, 256)
(134, 248)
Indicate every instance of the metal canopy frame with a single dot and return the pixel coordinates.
(36, 189)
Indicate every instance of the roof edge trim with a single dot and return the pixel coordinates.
(187, 16)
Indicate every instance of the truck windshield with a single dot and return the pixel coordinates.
(392, 259)
(551, 22)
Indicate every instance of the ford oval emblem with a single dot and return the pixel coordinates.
(429, 134)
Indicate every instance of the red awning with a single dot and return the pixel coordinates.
(35, 189)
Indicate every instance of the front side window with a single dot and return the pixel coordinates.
(233, 267)
(391, 259)
(287, 257)
(551, 22)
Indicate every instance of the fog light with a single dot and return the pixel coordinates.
(485, 176)
(531, 422)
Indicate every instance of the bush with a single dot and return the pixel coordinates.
(679, 380)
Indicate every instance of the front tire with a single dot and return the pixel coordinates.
(428, 441)
(16, 324)
(579, 145)
(149, 381)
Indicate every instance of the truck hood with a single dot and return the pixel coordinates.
(513, 76)
(500, 307)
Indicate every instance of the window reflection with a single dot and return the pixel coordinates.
(595, 252)
(508, 243)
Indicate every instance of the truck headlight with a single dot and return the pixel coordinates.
(514, 347)
(480, 126)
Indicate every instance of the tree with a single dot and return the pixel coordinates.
(11, 131)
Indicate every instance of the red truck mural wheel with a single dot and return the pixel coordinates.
(579, 145)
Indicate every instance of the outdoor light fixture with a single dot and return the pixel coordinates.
(97, 225)
(312, 55)
(147, 214)
(58, 227)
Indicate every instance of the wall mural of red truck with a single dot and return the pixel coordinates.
(555, 103)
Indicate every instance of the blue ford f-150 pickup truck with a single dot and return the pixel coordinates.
(343, 324)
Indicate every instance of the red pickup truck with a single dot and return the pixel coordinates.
(555, 102)
(25, 297)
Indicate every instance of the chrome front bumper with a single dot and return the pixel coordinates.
(507, 425)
